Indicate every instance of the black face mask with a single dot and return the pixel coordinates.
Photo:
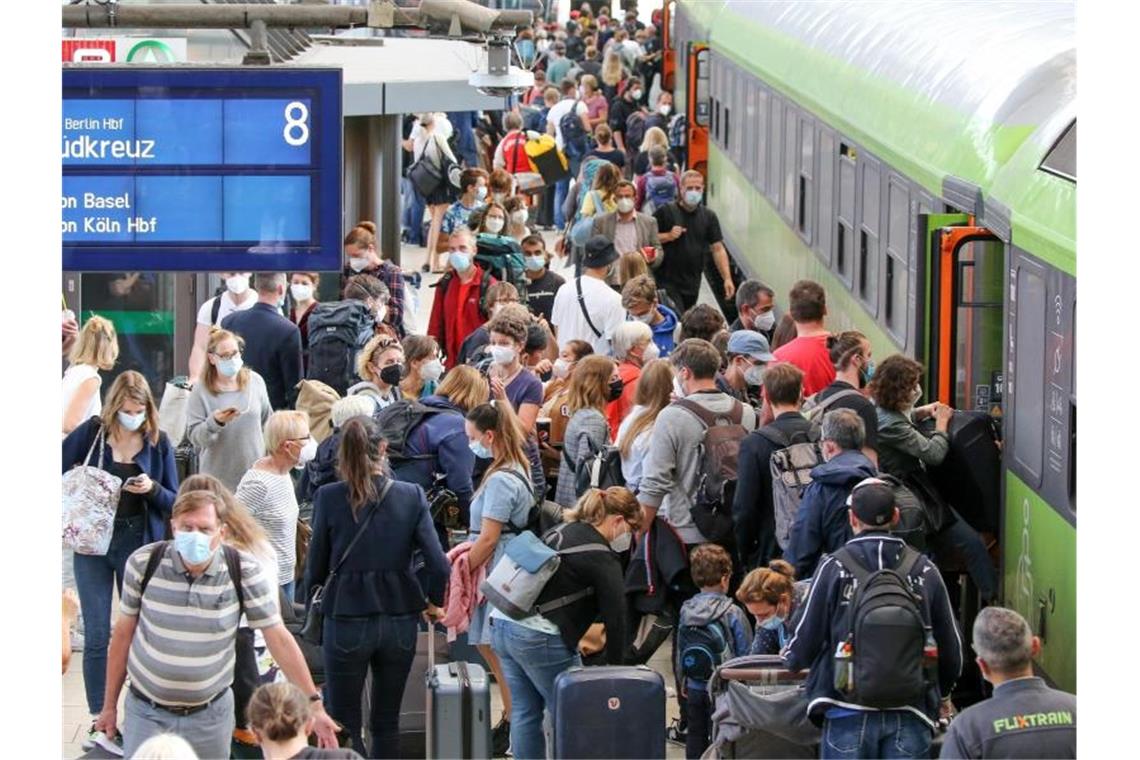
(392, 374)
(617, 385)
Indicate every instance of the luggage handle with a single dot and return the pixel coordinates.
(761, 674)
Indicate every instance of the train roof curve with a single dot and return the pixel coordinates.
(975, 90)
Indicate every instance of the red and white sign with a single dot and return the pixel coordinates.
(153, 50)
(78, 50)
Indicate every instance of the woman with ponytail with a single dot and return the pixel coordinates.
(769, 593)
(499, 512)
(373, 602)
(533, 651)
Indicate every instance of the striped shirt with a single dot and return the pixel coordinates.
(182, 653)
(272, 502)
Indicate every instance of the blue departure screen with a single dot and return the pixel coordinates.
(201, 169)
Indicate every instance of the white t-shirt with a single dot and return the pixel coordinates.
(75, 376)
(560, 109)
(228, 307)
(603, 304)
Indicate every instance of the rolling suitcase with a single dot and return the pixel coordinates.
(970, 476)
(458, 709)
(596, 708)
(413, 718)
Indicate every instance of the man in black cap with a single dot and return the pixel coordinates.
(586, 308)
(861, 670)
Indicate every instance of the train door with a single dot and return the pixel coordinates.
(697, 107)
(669, 43)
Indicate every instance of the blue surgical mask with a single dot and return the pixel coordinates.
(479, 450)
(194, 547)
(773, 623)
(230, 367)
(535, 263)
(131, 422)
(866, 373)
(693, 197)
(461, 261)
(481, 193)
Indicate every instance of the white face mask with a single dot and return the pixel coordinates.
(308, 453)
(301, 292)
(502, 355)
(357, 264)
(494, 224)
(237, 284)
(635, 94)
(561, 368)
(625, 205)
(764, 322)
(519, 217)
(381, 313)
(664, 109)
(678, 388)
(432, 370)
(651, 352)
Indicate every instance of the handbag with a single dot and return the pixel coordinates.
(172, 408)
(313, 629)
(90, 499)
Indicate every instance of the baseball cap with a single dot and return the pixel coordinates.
(600, 252)
(873, 502)
(750, 343)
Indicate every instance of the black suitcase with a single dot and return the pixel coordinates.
(609, 712)
(970, 476)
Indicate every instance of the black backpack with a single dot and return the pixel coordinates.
(337, 332)
(913, 525)
(601, 469)
(888, 634)
(573, 133)
(397, 420)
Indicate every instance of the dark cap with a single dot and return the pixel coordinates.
(600, 252)
(873, 502)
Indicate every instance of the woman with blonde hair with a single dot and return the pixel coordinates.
(281, 718)
(587, 432)
(655, 137)
(535, 650)
(267, 488)
(613, 72)
(226, 411)
(429, 141)
(500, 509)
(126, 442)
(769, 594)
(654, 393)
(631, 264)
(96, 348)
(380, 367)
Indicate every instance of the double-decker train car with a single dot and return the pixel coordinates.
(919, 161)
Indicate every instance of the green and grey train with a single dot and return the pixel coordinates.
(919, 160)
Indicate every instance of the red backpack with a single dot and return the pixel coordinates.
(514, 153)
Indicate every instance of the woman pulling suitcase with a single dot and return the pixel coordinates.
(533, 651)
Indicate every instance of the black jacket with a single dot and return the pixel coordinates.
(658, 570)
(821, 524)
(377, 577)
(825, 623)
(272, 350)
(752, 511)
(602, 572)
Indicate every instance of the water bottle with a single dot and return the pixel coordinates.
(844, 680)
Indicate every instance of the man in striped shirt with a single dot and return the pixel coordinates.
(175, 638)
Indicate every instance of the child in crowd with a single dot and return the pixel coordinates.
(711, 630)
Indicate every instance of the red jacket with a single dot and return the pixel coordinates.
(463, 307)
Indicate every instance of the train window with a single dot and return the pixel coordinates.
(791, 153)
(869, 237)
(738, 101)
(776, 122)
(727, 124)
(748, 152)
(1029, 376)
(846, 218)
(896, 275)
(1062, 157)
(702, 89)
(805, 218)
(761, 139)
(826, 193)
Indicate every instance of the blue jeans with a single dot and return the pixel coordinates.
(289, 589)
(885, 734)
(96, 579)
(387, 644)
(962, 538)
(531, 661)
(560, 189)
(413, 214)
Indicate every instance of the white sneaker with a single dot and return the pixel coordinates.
(98, 738)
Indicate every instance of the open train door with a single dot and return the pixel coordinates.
(697, 107)
(669, 43)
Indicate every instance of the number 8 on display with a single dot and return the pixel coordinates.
(296, 131)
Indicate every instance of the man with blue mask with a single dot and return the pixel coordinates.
(179, 654)
(272, 341)
(691, 236)
(851, 356)
(459, 307)
(542, 283)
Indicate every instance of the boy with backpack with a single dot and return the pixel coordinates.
(711, 630)
(879, 636)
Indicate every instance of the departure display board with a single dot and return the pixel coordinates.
(201, 169)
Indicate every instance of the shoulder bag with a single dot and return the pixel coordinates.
(313, 629)
(90, 499)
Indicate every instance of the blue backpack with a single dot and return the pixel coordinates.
(660, 190)
(703, 648)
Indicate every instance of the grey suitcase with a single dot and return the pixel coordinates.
(458, 709)
(413, 721)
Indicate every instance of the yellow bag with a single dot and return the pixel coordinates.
(317, 399)
(546, 159)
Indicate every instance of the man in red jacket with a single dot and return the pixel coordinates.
(460, 296)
